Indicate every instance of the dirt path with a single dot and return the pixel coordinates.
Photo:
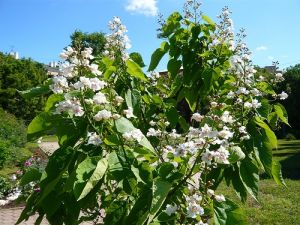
(48, 147)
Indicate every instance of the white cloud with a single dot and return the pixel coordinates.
(261, 48)
(271, 58)
(146, 7)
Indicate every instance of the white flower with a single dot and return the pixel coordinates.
(185, 147)
(279, 77)
(170, 209)
(133, 135)
(116, 116)
(71, 106)
(226, 118)
(129, 112)
(119, 100)
(255, 92)
(194, 209)
(220, 198)
(242, 130)
(242, 90)
(225, 133)
(97, 84)
(167, 123)
(60, 84)
(247, 105)
(213, 104)
(94, 139)
(207, 156)
(221, 155)
(196, 198)
(65, 54)
(210, 192)
(256, 104)
(100, 98)
(230, 94)
(13, 177)
(201, 223)
(152, 123)
(197, 117)
(153, 133)
(206, 131)
(283, 95)
(87, 53)
(174, 134)
(94, 69)
(102, 115)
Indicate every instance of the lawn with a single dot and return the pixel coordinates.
(276, 205)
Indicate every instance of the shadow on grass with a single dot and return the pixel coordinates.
(291, 167)
(289, 159)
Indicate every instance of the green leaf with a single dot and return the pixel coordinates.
(112, 140)
(137, 58)
(249, 177)
(36, 91)
(160, 191)
(32, 174)
(52, 100)
(228, 213)
(265, 87)
(133, 100)
(174, 67)
(135, 70)
(88, 174)
(171, 25)
(157, 55)
(265, 108)
(124, 125)
(281, 113)
(165, 169)
(207, 19)
(172, 116)
(276, 172)
(40, 125)
(140, 210)
(143, 173)
(268, 132)
(191, 97)
(109, 71)
(236, 154)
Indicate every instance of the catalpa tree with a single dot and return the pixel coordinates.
(138, 149)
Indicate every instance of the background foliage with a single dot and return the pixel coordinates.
(20, 75)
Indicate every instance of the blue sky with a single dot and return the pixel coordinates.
(41, 28)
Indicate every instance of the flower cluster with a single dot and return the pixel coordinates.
(117, 40)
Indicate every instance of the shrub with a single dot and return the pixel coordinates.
(12, 138)
(5, 187)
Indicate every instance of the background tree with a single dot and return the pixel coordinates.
(95, 40)
(17, 75)
(291, 85)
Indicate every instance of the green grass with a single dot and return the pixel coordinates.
(277, 205)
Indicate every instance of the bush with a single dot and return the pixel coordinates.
(5, 187)
(12, 138)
